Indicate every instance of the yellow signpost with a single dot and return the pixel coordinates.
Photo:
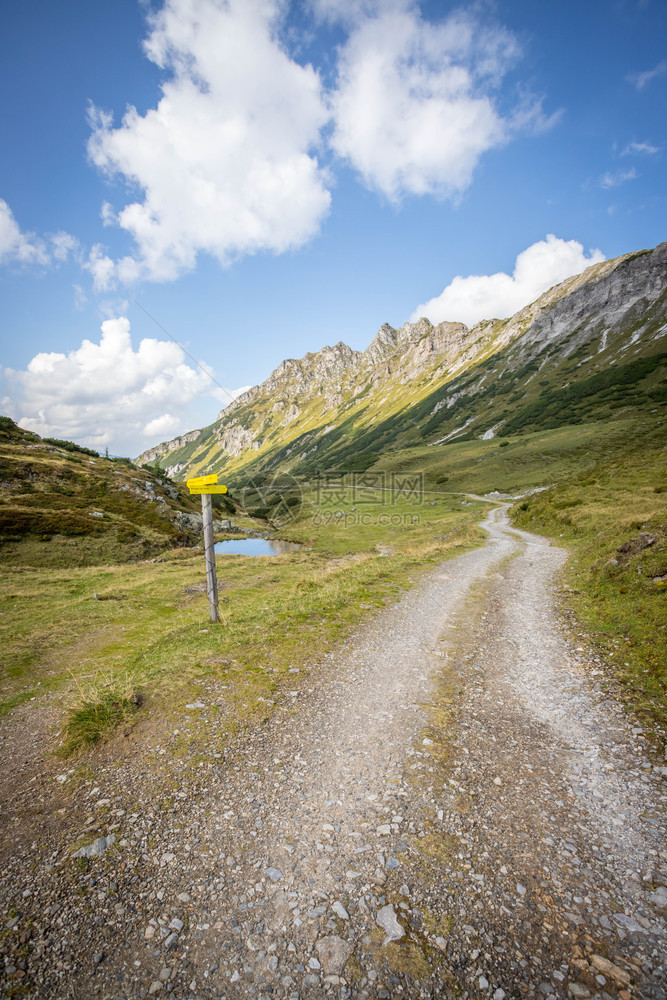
(206, 485)
(195, 490)
(202, 481)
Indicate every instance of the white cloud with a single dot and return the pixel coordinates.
(640, 149)
(163, 426)
(351, 11)
(63, 245)
(225, 161)
(106, 392)
(19, 247)
(102, 268)
(416, 102)
(497, 296)
(641, 80)
(612, 180)
(25, 248)
(226, 165)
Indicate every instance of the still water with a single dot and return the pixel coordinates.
(255, 547)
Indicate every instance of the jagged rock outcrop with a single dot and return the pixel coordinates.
(234, 439)
(160, 450)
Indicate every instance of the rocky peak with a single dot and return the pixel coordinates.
(389, 340)
(326, 360)
(315, 369)
(412, 333)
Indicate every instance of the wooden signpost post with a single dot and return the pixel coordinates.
(206, 485)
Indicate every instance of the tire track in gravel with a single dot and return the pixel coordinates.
(562, 888)
(517, 853)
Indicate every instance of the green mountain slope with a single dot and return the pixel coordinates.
(592, 348)
(62, 505)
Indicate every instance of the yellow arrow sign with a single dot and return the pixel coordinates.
(207, 489)
(202, 481)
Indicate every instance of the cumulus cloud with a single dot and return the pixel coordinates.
(20, 247)
(63, 246)
(163, 426)
(225, 163)
(15, 245)
(107, 393)
(415, 105)
(497, 296)
(102, 268)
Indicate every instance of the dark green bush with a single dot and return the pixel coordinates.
(71, 446)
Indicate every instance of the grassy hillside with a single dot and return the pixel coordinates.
(525, 461)
(365, 431)
(60, 506)
(527, 398)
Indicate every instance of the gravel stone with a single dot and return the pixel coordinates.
(334, 953)
(387, 920)
(96, 849)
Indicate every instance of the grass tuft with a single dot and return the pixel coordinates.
(92, 720)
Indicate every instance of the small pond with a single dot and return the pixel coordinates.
(255, 547)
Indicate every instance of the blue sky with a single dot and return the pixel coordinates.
(268, 177)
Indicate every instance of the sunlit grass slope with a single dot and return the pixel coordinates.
(128, 639)
(64, 505)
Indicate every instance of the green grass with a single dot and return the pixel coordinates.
(528, 461)
(142, 643)
(140, 646)
(92, 719)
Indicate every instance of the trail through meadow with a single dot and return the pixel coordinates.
(452, 806)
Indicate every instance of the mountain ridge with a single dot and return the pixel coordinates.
(287, 419)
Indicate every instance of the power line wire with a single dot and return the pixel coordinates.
(192, 358)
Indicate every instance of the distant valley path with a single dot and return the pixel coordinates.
(454, 807)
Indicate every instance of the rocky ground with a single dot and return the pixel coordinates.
(451, 806)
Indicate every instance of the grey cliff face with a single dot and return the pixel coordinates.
(609, 302)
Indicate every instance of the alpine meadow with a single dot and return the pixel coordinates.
(333, 500)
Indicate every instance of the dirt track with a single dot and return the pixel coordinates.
(454, 772)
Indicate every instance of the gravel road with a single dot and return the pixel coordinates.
(451, 805)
